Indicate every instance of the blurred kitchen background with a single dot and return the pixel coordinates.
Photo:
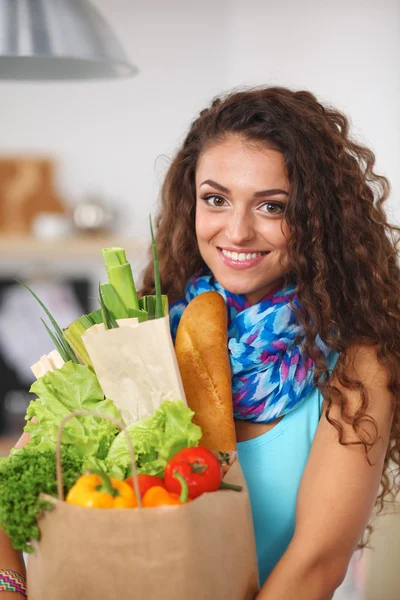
(81, 162)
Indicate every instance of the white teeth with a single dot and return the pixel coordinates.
(241, 256)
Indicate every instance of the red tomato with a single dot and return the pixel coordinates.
(200, 468)
(146, 482)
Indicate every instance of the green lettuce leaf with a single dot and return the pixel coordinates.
(155, 440)
(60, 392)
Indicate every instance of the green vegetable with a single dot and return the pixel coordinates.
(112, 301)
(158, 311)
(60, 343)
(73, 335)
(140, 314)
(120, 277)
(59, 393)
(95, 317)
(23, 476)
(74, 332)
(155, 440)
(119, 296)
(156, 306)
(108, 319)
(148, 303)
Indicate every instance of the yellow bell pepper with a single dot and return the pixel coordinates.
(97, 490)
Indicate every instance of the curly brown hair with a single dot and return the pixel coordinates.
(342, 250)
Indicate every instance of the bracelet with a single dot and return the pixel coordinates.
(11, 581)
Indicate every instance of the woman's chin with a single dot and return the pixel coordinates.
(247, 288)
(238, 288)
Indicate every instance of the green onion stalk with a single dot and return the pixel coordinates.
(158, 310)
(61, 344)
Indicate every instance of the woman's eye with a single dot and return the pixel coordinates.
(273, 208)
(215, 201)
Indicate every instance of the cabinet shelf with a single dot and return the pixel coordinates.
(72, 249)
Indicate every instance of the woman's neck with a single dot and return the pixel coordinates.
(262, 293)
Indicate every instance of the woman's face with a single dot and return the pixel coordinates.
(241, 194)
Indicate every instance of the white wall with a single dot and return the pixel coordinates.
(346, 51)
(108, 136)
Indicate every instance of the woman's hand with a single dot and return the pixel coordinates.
(24, 439)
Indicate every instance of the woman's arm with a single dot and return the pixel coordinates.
(10, 558)
(336, 496)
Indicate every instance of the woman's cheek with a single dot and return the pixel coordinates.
(199, 223)
(207, 226)
(284, 261)
(201, 235)
(281, 235)
(284, 232)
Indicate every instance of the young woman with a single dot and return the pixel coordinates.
(272, 204)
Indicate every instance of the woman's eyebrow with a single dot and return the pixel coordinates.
(262, 194)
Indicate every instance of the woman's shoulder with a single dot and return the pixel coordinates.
(363, 380)
(362, 362)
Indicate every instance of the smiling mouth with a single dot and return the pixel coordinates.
(242, 256)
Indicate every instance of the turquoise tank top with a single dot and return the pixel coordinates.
(273, 464)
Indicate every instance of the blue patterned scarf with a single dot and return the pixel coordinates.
(270, 377)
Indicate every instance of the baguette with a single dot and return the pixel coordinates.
(201, 348)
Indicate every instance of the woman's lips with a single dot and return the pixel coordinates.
(244, 263)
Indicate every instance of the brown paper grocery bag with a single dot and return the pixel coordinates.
(198, 551)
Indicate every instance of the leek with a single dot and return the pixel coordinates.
(95, 317)
(73, 335)
(112, 301)
(108, 319)
(142, 315)
(120, 276)
(148, 303)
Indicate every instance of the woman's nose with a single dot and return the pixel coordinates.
(239, 228)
